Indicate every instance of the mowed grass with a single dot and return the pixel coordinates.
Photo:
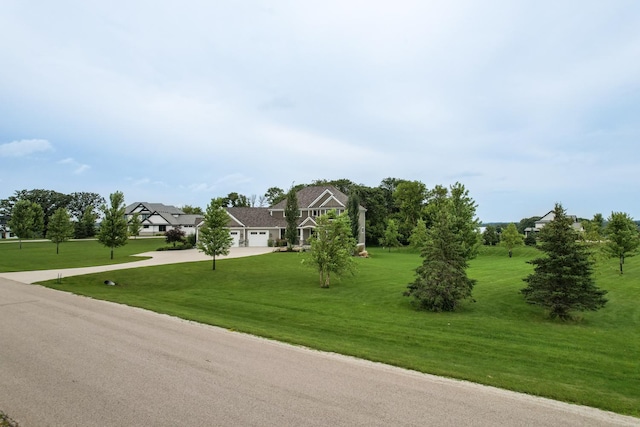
(39, 255)
(497, 340)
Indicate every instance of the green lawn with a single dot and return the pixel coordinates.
(39, 255)
(497, 340)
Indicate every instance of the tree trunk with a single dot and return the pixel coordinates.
(621, 262)
(214, 262)
(510, 253)
(112, 253)
(57, 248)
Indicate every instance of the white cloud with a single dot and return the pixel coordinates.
(78, 168)
(24, 147)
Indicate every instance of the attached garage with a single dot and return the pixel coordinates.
(235, 234)
(258, 238)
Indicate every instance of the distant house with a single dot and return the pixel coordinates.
(157, 218)
(550, 216)
(252, 226)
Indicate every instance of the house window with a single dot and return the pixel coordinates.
(145, 226)
(162, 228)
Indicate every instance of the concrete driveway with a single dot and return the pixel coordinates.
(156, 258)
(67, 360)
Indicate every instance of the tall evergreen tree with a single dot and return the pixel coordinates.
(60, 227)
(291, 213)
(113, 229)
(562, 280)
(441, 281)
(214, 238)
(353, 209)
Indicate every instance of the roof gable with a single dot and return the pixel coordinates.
(315, 196)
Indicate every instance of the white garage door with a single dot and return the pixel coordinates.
(236, 238)
(258, 238)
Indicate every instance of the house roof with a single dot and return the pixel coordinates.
(154, 207)
(253, 217)
(317, 196)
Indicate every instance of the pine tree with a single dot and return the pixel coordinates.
(562, 280)
(291, 213)
(353, 208)
(441, 281)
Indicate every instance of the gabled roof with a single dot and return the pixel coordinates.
(253, 217)
(154, 207)
(550, 216)
(322, 196)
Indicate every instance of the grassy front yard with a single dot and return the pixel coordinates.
(497, 340)
(38, 255)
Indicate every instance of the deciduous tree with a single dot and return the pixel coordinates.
(175, 235)
(392, 236)
(214, 238)
(409, 198)
(511, 238)
(192, 210)
(135, 225)
(622, 236)
(24, 221)
(60, 227)
(490, 236)
(113, 228)
(332, 247)
(86, 226)
(418, 236)
(274, 195)
(562, 280)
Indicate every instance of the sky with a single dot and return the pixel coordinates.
(526, 103)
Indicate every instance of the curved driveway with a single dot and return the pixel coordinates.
(73, 361)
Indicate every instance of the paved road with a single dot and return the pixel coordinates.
(67, 360)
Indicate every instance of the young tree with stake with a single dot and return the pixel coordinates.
(214, 238)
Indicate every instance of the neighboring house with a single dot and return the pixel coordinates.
(5, 232)
(252, 226)
(264, 226)
(550, 216)
(157, 218)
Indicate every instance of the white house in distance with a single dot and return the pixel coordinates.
(157, 218)
(550, 216)
(252, 226)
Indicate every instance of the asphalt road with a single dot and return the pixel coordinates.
(67, 360)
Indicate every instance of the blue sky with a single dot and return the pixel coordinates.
(526, 103)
